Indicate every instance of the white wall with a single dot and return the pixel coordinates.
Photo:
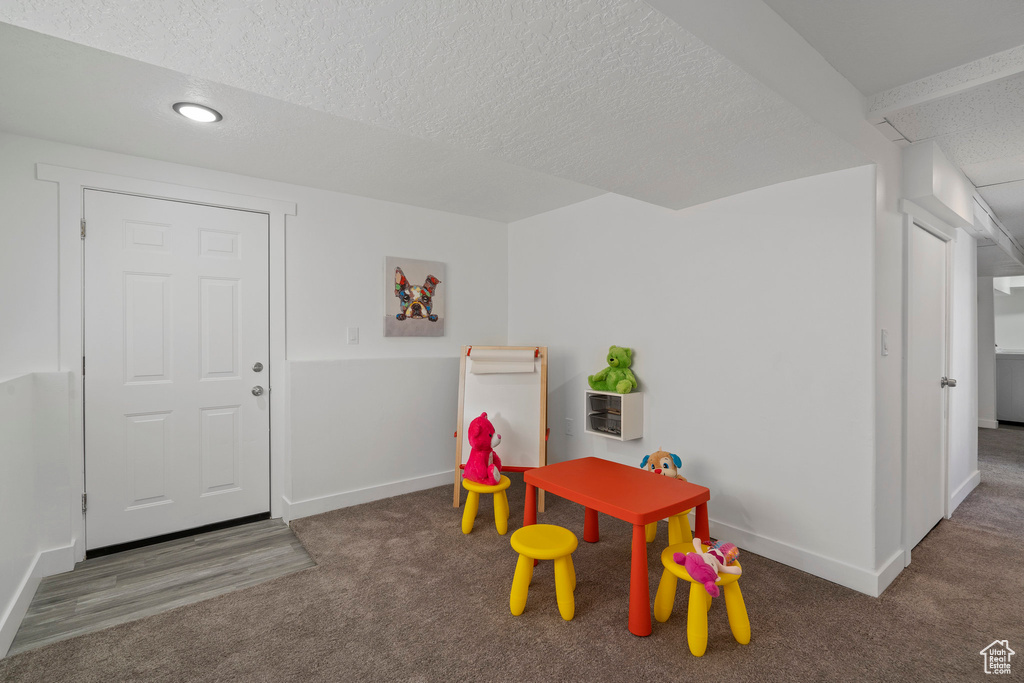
(349, 449)
(752, 320)
(963, 367)
(28, 264)
(757, 40)
(986, 354)
(34, 491)
(1009, 320)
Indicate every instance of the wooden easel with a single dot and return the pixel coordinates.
(519, 397)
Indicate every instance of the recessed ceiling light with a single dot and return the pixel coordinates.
(197, 112)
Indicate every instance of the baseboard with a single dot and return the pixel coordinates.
(46, 563)
(963, 490)
(865, 581)
(11, 620)
(889, 571)
(988, 424)
(314, 506)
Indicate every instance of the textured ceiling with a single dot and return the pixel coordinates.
(70, 93)
(942, 70)
(881, 44)
(981, 130)
(575, 96)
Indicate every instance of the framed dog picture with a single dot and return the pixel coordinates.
(414, 298)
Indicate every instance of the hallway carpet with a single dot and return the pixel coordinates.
(400, 594)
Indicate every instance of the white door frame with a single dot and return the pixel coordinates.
(70, 197)
(914, 216)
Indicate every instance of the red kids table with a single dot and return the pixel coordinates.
(628, 493)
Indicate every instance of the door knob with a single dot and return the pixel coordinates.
(946, 382)
(258, 367)
(257, 391)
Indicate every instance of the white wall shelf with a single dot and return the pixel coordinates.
(614, 416)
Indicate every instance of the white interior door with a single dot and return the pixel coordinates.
(926, 397)
(176, 316)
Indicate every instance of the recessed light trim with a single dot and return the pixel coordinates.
(197, 112)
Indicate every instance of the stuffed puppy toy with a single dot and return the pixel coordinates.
(663, 462)
(706, 566)
(484, 465)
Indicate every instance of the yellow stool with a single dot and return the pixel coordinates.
(473, 503)
(678, 529)
(700, 601)
(544, 542)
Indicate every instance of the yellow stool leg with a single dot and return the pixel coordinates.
(650, 531)
(665, 598)
(469, 514)
(679, 530)
(572, 571)
(521, 584)
(737, 611)
(563, 587)
(697, 620)
(501, 512)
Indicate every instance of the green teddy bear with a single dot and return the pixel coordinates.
(617, 376)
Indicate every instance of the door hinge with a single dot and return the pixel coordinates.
(83, 366)
(83, 228)
(85, 502)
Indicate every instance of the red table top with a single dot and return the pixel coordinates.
(629, 493)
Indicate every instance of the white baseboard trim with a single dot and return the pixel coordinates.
(988, 424)
(46, 563)
(963, 490)
(870, 582)
(890, 570)
(57, 560)
(314, 506)
(16, 611)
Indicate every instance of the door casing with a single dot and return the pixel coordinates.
(72, 184)
(914, 221)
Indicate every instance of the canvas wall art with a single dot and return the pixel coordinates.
(414, 298)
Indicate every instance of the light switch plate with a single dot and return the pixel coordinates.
(885, 342)
(353, 335)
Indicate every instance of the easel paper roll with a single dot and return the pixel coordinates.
(495, 361)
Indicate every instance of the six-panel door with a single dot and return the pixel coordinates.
(176, 316)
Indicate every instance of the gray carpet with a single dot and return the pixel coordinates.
(399, 594)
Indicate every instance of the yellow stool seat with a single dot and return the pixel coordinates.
(474, 490)
(700, 601)
(544, 542)
(471, 485)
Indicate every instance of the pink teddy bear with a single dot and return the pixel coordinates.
(484, 465)
(705, 566)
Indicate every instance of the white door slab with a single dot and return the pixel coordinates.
(926, 398)
(176, 315)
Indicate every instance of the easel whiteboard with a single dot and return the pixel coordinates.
(512, 389)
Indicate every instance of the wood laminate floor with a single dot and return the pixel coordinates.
(138, 583)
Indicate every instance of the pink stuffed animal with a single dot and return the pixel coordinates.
(484, 465)
(705, 566)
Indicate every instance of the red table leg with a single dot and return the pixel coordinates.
(590, 530)
(639, 590)
(701, 523)
(530, 509)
